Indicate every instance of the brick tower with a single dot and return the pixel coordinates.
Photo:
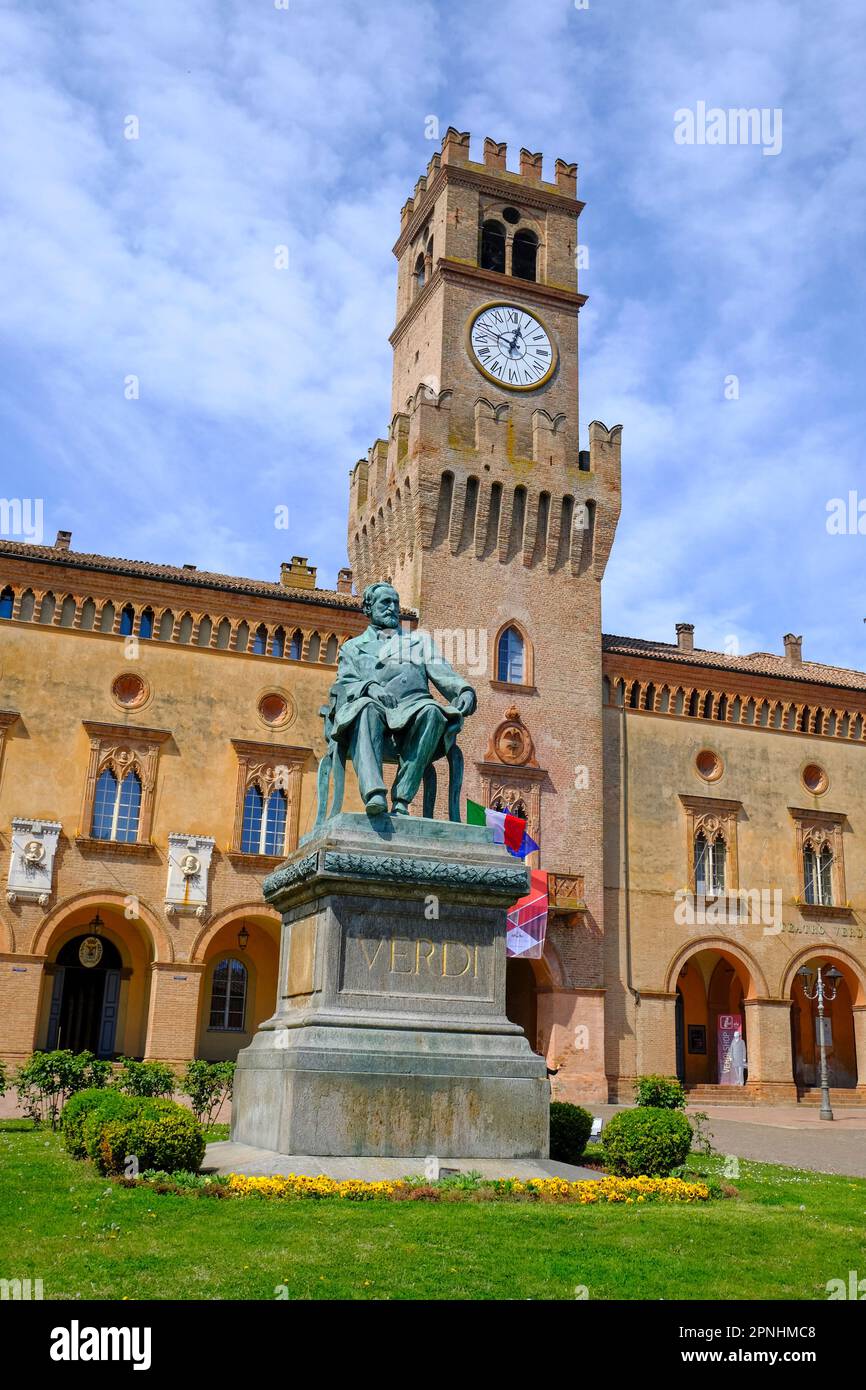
(496, 527)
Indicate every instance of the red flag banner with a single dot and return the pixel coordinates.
(527, 921)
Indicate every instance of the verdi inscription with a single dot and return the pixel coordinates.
(394, 960)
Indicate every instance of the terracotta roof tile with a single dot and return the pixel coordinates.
(177, 574)
(753, 663)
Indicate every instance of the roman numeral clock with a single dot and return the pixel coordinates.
(510, 346)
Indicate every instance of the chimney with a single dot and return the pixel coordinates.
(64, 540)
(793, 648)
(298, 574)
(344, 581)
(686, 637)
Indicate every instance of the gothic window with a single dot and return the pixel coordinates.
(116, 806)
(106, 617)
(331, 649)
(710, 855)
(297, 644)
(510, 664)
(315, 645)
(224, 633)
(493, 246)
(166, 626)
(28, 605)
(243, 636)
(260, 640)
(127, 620)
(7, 599)
(88, 615)
(46, 612)
(818, 875)
(185, 629)
(145, 627)
(228, 996)
(278, 645)
(524, 254)
(68, 611)
(264, 824)
(205, 631)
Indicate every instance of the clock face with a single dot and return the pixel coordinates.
(511, 347)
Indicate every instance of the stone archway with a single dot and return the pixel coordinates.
(239, 982)
(711, 985)
(845, 1018)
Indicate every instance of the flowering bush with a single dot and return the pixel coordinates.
(628, 1191)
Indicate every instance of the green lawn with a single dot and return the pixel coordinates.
(85, 1237)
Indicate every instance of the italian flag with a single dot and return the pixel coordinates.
(508, 830)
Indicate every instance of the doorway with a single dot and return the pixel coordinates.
(85, 996)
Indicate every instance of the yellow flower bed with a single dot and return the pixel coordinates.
(630, 1191)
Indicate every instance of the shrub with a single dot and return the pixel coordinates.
(570, 1127)
(660, 1092)
(647, 1142)
(157, 1134)
(75, 1112)
(145, 1078)
(47, 1080)
(2, 1079)
(208, 1084)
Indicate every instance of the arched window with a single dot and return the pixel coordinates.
(493, 246)
(88, 615)
(710, 858)
(264, 824)
(243, 636)
(127, 620)
(106, 617)
(419, 272)
(7, 600)
(278, 645)
(524, 255)
(313, 649)
(228, 996)
(205, 632)
(47, 610)
(185, 630)
(260, 640)
(166, 626)
(331, 649)
(68, 610)
(510, 663)
(116, 807)
(297, 644)
(224, 633)
(275, 823)
(818, 875)
(28, 606)
(145, 627)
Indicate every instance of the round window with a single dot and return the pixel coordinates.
(709, 765)
(129, 690)
(815, 779)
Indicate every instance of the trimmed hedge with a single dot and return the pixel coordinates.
(660, 1092)
(162, 1134)
(110, 1127)
(648, 1141)
(570, 1127)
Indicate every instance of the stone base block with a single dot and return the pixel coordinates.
(392, 1093)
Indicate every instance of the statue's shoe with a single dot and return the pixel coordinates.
(376, 804)
(400, 808)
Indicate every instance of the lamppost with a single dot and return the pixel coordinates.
(824, 988)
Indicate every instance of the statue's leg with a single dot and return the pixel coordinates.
(322, 780)
(455, 781)
(366, 751)
(417, 747)
(339, 777)
(430, 791)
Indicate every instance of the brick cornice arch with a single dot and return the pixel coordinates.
(147, 920)
(833, 953)
(726, 947)
(215, 926)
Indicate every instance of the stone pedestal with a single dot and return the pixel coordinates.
(390, 1037)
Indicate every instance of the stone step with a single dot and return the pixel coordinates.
(839, 1095)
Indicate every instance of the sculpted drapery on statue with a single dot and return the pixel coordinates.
(382, 710)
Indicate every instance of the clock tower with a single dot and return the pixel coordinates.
(495, 526)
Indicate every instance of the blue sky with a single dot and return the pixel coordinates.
(305, 127)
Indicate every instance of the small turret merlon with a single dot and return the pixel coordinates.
(494, 154)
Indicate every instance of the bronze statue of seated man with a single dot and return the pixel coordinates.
(381, 703)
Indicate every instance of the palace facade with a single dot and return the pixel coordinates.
(701, 816)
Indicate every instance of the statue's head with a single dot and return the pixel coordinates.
(381, 603)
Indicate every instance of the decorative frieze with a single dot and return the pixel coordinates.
(189, 859)
(31, 863)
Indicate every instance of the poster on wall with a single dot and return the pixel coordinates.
(731, 1050)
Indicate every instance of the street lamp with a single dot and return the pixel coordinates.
(824, 988)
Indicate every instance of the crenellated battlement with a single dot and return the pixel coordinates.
(455, 155)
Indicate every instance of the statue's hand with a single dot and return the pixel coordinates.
(383, 696)
(465, 702)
